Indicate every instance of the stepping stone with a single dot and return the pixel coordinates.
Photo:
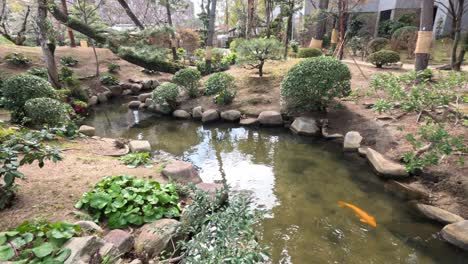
(385, 167)
(87, 130)
(456, 234)
(270, 118)
(438, 214)
(352, 141)
(305, 126)
(182, 172)
(139, 146)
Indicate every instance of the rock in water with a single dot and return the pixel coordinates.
(437, 214)
(139, 146)
(181, 114)
(142, 97)
(231, 115)
(248, 122)
(87, 130)
(456, 234)
(385, 167)
(270, 118)
(181, 171)
(156, 237)
(210, 115)
(305, 126)
(134, 104)
(352, 141)
(197, 113)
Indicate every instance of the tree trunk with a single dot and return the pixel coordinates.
(260, 68)
(250, 18)
(169, 21)
(343, 5)
(461, 54)
(71, 36)
(422, 51)
(95, 56)
(457, 34)
(317, 39)
(268, 7)
(209, 42)
(47, 49)
(130, 14)
(288, 34)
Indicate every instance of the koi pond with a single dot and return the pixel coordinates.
(299, 182)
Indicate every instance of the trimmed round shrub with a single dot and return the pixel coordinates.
(39, 72)
(188, 78)
(166, 93)
(219, 81)
(313, 83)
(309, 53)
(377, 44)
(40, 111)
(383, 57)
(20, 88)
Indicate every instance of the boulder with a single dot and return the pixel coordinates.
(182, 172)
(139, 146)
(89, 227)
(93, 100)
(135, 87)
(248, 122)
(102, 98)
(82, 248)
(133, 104)
(150, 84)
(270, 118)
(352, 141)
(385, 167)
(437, 214)
(406, 191)
(126, 92)
(231, 115)
(155, 237)
(197, 113)
(163, 109)
(325, 132)
(210, 115)
(142, 97)
(456, 234)
(121, 240)
(116, 90)
(181, 114)
(149, 103)
(87, 130)
(108, 94)
(305, 126)
(210, 188)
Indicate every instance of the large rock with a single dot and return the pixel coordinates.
(89, 227)
(231, 115)
(270, 118)
(121, 240)
(305, 126)
(197, 113)
(437, 214)
(352, 141)
(456, 234)
(181, 171)
(135, 87)
(116, 90)
(210, 115)
(139, 146)
(385, 167)
(87, 130)
(93, 100)
(181, 114)
(150, 84)
(248, 122)
(134, 104)
(82, 248)
(102, 97)
(142, 97)
(407, 191)
(156, 237)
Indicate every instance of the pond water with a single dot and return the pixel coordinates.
(299, 181)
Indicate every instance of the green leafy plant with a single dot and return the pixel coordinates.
(39, 72)
(189, 79)
(383, 57)
(215, 67)
(125, 200)
(431, 142)
(166, 94)
(20, 88)
(223, 86)
(314, 82)
(377, 44)
(231, 58)
(134, 160)
(108, 79)
(37, 242)
(68, 61)
(294, 44)
(255, 52)
(41, 111)
(309, 53)
(113, 68)
(17, 59)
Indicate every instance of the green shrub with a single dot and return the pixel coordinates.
(218, 82)
(39, 72)
(294, 46)
(20, 88)
(189, 79)
(383, 57)
(230, 59)
(125, 200)
(65, 73)
(377, 44)
(313, 83)
(113, 68)
(37, 242)
(68, 61)
(134, 160)
(215, 67)
(166, 93)
(224, 97)
(52, 112)
(309, 52)
(17, 59)
(108, 79)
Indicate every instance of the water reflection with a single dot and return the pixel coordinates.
(299, 181)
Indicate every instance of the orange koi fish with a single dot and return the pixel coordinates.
(364, 217)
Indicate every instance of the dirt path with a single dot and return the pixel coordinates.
(52, 191)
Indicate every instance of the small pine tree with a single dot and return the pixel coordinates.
(255, 52)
